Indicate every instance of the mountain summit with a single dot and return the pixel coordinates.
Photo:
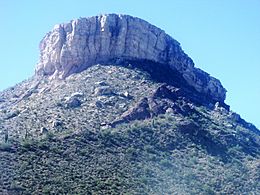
(72, 47)
(116, 107)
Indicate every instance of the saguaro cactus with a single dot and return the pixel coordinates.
(6, 136)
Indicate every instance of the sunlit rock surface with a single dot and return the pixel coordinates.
(72, 47)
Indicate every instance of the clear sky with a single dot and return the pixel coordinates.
(221, 36)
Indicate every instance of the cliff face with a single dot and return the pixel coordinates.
(74, 46)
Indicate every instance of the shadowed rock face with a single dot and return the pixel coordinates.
(72, 47)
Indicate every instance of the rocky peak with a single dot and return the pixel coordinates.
(72, 47)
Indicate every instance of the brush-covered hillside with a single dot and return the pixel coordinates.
(116, 107)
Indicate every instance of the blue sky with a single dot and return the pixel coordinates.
(221, 36)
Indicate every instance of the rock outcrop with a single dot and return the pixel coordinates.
(161, 101)
(74, 46)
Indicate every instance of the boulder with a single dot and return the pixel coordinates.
(101, 83)
(99, 104)
(169, 111)
(74, 100)
(56, 123)
(12, 114)
(104, 90)
(43, 130)
(126, 94)
(77, 94)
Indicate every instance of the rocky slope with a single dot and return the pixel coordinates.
(128, 126)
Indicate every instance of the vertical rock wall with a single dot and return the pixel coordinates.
(74, 46)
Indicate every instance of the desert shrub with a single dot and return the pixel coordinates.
(28, 145)
(166, 163)
(5, 146)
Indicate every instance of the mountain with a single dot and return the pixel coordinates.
(117, 107)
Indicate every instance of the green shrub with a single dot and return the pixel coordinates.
(16, 187)
(166, 163)
(5, 146)
(27, 144)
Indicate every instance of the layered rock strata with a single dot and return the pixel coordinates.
(72, 47)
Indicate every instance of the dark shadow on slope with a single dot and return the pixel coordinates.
(203, 138)
(162, 73)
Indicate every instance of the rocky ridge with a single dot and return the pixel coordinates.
(72, 47)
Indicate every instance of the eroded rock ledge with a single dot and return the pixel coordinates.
(74, 46)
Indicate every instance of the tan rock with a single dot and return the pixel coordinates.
(72, 47)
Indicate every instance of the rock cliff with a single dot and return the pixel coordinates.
(72, 47)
